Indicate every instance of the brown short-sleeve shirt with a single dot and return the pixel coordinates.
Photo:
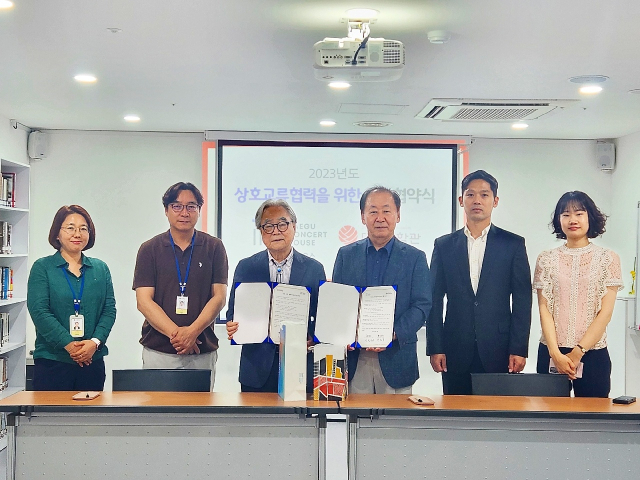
(156, 267)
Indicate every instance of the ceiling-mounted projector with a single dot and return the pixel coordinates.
(358, 58)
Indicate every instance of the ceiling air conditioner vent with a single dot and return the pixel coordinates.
(464, 110)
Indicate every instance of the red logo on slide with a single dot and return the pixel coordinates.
(348, 234)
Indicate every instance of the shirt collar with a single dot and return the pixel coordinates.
(482, 236)
(60, 261)
(388, 246)
(286, 260)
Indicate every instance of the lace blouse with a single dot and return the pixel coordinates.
(574, 281)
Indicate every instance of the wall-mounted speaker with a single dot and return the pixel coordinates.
(38, 145)
(606, 155)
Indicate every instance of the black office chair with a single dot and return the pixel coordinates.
(520, 384)
(162, 380)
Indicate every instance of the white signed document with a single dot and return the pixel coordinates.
(337, 314)
(377, 308)
(346, 316)
(289, 303)
(251, 311)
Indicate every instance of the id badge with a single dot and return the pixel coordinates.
(76, 326)
(182, 303)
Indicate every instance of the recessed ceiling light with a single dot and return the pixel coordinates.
(589, 79)
(590, 89)
(339, 85)
(519, 126)
(372, 124)
(132, 118)
(362, 13)
(6, 4)
(327, 123)
(85, 78)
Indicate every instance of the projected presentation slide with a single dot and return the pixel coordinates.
(323, 183)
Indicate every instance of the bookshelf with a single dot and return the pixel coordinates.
(15, 349)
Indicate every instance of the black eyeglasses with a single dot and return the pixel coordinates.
(268, 228)
(178, 207)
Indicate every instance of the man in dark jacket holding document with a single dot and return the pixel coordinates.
(382, 259)
(280, 263)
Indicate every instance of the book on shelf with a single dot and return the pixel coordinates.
(7, 190)
(3, 372)
(6, 283)
(5, 234)
(4, 328)
(3, 424)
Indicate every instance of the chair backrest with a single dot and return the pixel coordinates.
(520, 384)
(162, 380)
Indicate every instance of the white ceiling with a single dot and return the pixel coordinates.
(247, 65)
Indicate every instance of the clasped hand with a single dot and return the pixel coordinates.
(185, 341)
(81, 351)
(565, 364)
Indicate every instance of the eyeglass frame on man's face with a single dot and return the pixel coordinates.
(191, 207)
(269, 228)
(71, 229)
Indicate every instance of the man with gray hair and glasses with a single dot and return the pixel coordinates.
(280, 263)
(180, 281)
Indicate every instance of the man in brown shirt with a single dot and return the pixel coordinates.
(180, 281)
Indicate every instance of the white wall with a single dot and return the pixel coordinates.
(625, 196)
(120, 179)
(623, 229)
(13, 142)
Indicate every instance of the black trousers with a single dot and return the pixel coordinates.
(271, 385)
(596, 373)
(460, 383)
(61, 376)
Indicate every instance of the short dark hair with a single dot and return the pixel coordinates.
(481, 175)
(59, 218)
(579, 201)
(379, 188)
(171, 195)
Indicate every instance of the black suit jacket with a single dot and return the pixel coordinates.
(256, 359)
(498, 316)
(408, 269)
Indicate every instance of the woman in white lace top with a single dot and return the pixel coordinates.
(577, 285)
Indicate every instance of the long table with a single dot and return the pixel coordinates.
(164, 435)
(249, 435)
(469, 437)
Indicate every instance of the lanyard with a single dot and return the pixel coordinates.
(183, 286)
(76, 301)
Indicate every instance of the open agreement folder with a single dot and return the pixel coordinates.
(358, 316)
(260, 309)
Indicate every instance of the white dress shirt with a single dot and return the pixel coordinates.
(284, 267)
(476, 248)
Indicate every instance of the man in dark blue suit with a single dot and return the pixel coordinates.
(382, 259)
(280, 263)
(484, 272)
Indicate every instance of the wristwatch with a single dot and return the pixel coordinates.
(582, 349)
(97, 342)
